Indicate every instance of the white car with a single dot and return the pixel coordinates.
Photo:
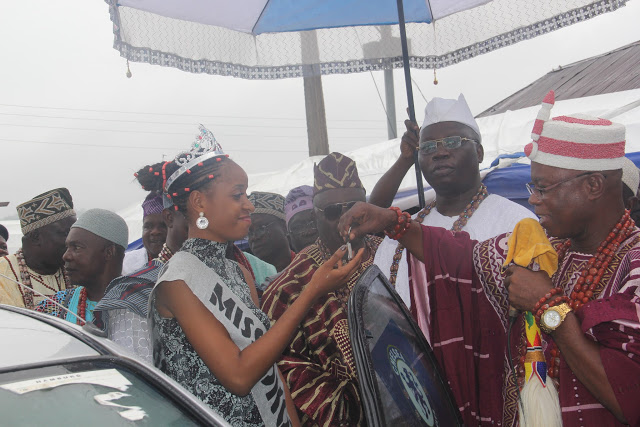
(55, 373)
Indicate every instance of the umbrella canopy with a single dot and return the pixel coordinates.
(273, 39)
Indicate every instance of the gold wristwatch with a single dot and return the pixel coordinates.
(553, 317)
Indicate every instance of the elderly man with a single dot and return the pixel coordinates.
(301, 218)
(95, 250)
(45, 221)
(588, 310)
(318, 365)
(450, 152)
(4, 238)
(268, 232)
(154, 235)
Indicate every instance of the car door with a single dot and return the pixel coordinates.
(400, 381)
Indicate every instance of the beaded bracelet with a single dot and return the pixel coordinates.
(401, 227)
(545, 302)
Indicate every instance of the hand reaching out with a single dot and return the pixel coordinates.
(333, 274)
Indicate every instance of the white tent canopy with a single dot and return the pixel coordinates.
(504, 133)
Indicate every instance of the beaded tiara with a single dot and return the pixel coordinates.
(204, 147)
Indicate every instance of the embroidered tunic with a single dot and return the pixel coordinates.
(464, 307)
(318, 365)
(12, 294)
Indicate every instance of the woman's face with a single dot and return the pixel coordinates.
(226, 206)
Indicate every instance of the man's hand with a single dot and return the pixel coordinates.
(409, 141)
(526, 287)
(364, 219)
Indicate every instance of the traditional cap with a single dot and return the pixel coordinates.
(204, 147)
(299, 199)
(335, 171)
(449, 110)
(153, 204)
(44, 209)
(4, 232)
(268, 203)
(106, 224)
(577, 142)
(630, 175)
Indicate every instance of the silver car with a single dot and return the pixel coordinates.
(55, 373)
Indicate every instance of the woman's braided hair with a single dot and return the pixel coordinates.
(154, 177)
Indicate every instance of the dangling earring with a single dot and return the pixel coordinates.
(202, 222)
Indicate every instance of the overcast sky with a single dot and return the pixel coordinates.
(70, 117)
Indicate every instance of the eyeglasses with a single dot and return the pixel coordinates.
(258, 232)
(539, 192)
(301, 228)
(334, 211)
(450, 143)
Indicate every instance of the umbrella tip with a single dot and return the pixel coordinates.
(128, 70)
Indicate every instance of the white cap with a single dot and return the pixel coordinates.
(449, 110)
(630, 175)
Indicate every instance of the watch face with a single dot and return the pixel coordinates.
(552, 319)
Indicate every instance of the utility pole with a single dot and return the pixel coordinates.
(389, 92)
(313, 96)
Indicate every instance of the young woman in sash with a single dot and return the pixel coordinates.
(208, 332)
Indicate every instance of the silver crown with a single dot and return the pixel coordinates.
(204, 147)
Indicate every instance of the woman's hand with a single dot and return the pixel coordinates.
(333, 274)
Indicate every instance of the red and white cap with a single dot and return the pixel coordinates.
(578, 142)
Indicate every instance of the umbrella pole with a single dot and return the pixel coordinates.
(407, 80)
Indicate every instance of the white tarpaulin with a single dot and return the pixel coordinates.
(504, 133)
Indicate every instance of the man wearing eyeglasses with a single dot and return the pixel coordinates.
(588, 311)
(450, 152)
(318, 365)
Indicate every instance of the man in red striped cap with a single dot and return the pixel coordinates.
(588, 310)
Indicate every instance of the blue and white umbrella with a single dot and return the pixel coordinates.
(274, 39)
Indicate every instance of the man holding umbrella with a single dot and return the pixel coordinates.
(588, 310)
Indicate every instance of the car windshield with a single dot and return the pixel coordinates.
(100, 393)
(411, 389)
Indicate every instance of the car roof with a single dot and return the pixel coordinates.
(27, 333)
(32, 341)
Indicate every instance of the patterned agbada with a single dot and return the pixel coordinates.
(466, 314)
(318, 365)
(12, 294)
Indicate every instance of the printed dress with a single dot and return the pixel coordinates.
(176, 357)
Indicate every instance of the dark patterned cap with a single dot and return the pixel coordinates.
(153, 204)
(44, 209)
(268, 203)
(335, 171)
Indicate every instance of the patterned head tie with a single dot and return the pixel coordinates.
(45, 209)
(335, 171)
(268, 203)
(577, 142)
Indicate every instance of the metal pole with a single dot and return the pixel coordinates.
(407, 79)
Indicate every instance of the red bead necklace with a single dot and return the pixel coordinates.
(82, 306)
(586, 287)
(459, 223)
